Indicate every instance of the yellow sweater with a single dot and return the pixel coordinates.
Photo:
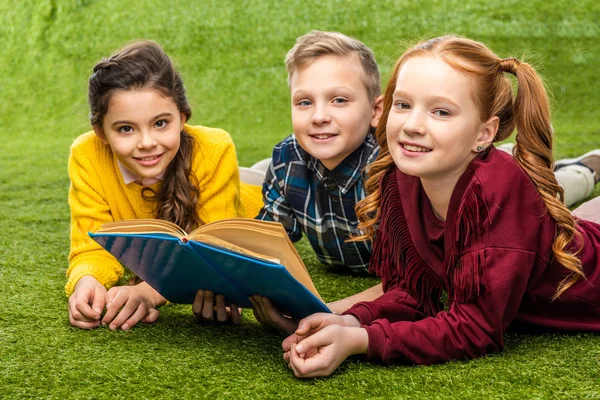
(98, 194)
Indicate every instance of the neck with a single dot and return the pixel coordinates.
(439, 192)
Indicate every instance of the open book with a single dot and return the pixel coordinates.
(236, 257)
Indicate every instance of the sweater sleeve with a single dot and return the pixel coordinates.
(89, 210)
(216, 167)
(393, 305)
(466, 330)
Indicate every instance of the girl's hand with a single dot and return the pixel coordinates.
(210, 307)
(86, 303)
(136, 303)
(266, 313)
(314, 323)
(321, 353)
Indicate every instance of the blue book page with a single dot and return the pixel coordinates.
(170, 266)
(253, 276)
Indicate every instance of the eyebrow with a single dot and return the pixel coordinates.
(435, 99)
(125, 122)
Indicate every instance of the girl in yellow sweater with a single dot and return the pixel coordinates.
(143, 161)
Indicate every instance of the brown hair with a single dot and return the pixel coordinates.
(492, 92)
(317, 44)
(140, 65)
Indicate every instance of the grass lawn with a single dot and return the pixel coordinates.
(231, 56)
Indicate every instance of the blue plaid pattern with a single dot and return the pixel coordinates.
(306, 197)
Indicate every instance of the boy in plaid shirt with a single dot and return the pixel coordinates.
(316, 175)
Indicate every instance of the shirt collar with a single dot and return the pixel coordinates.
(350, 169)
(130, 177)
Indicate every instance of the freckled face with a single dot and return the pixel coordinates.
(143, 129)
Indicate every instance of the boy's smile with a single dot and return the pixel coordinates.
(143, 129)
(331, 109)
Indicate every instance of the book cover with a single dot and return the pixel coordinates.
(178, 267)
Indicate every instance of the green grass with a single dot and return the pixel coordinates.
(231, 56)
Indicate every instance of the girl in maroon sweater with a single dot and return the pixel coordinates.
(450, 213)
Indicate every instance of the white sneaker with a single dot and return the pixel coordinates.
(591, 160)
(507, 147)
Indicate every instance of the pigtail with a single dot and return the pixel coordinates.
(533, 152)
(177, 198)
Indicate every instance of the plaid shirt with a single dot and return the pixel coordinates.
(306, 197)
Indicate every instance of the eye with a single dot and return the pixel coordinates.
(442, 113)
(304, 103)
(402, 105)
(340, 100)
(161, 123)
(125, 129)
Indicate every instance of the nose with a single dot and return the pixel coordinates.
(147, 140)
(415, 123)
(320, 115)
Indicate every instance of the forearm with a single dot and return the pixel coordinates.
(370, 294)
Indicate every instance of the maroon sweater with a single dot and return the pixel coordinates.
(493, 257)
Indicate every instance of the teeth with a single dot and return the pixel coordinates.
(149, 158)
(325, 136)
(410, 147)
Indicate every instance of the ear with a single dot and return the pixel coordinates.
(183, 119)
(100, 133)
(487, 133)
(377, 111)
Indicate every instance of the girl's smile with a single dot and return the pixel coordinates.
(143, 129)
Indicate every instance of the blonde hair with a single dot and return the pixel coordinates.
(492, 92)
(318, 44)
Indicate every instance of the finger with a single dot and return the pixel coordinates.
(113, 307)
(83, 324)
(236, 314)
(208, 312)
(311, 323)
(82, 304)
(99, 300)
(314, 341)
(110, 295)
(293, 339)
(284, 324)
(220, 305)
(74, 312)
(129, 311)
(198, 303)
(152, 316)
(286, 356)
(138, 314)
(307, 367)
(257, 310)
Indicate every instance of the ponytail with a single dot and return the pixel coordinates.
(533, 152)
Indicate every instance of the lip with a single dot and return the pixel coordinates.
(314, 137)
(410, 153)
(151, 162)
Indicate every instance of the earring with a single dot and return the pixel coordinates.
(480, 148)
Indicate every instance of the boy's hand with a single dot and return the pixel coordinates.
(321, 353)
(86, 303)
(136, 303)
(210, 307)
(266, 313)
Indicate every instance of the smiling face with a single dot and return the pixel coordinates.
(331, 109)
(433, 128)
(143, 129)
